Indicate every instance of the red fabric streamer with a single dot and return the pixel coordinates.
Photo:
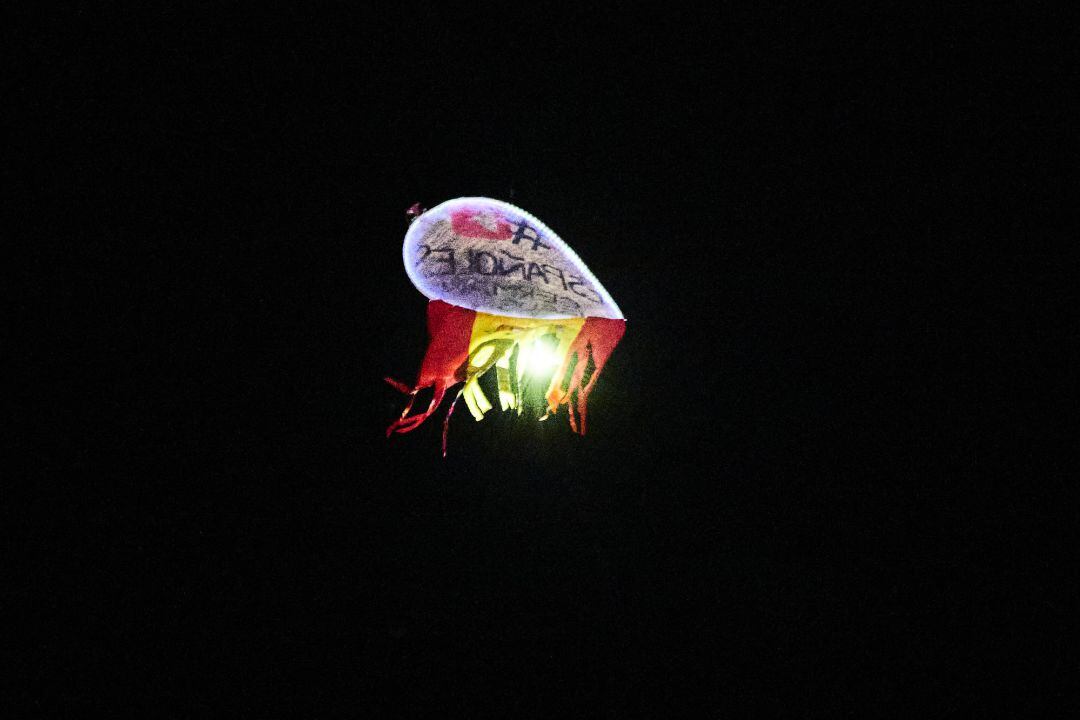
(449, 329)
(598, 338)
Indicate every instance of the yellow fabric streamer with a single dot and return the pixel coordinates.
(514, 346)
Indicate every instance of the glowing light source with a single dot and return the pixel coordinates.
(541, 357)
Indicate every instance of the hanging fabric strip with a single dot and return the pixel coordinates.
(596, 340)
(449, 328)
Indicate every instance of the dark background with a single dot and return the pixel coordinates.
(812, 482)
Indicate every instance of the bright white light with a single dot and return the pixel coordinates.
(539, 358)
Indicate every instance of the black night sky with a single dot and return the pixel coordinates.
(811, 484)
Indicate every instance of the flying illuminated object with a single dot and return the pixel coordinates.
(505, 293)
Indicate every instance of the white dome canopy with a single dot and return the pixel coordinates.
(493, 257)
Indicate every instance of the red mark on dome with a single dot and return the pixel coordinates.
(480, 224)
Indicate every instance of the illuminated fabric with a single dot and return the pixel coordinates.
(507, 294)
